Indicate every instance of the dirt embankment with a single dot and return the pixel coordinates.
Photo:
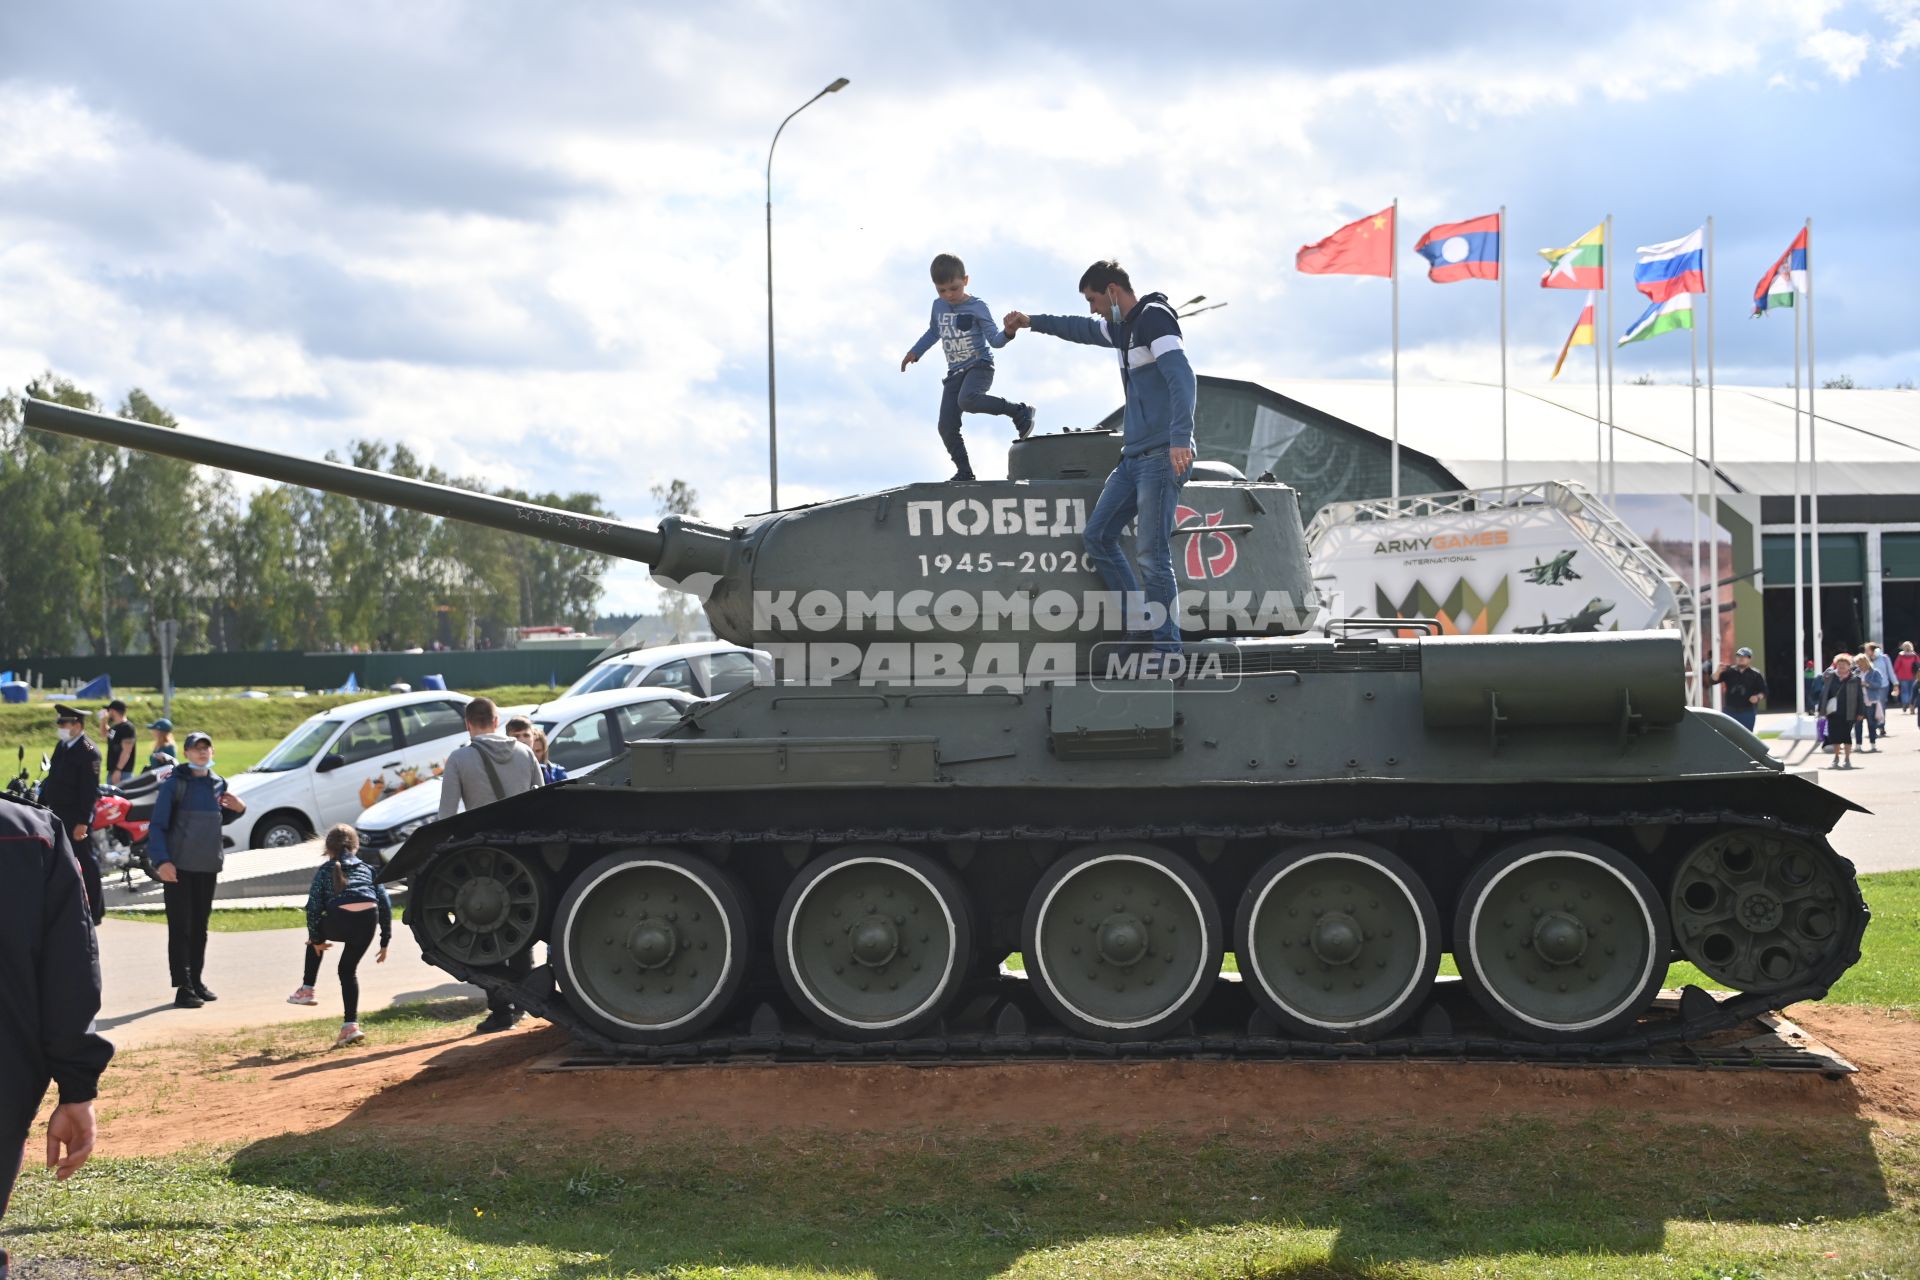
(453, 1083)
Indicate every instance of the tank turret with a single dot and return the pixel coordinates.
(965, 575)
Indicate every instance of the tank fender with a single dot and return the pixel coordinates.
(1606, 679)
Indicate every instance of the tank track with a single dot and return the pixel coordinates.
(766, 1037)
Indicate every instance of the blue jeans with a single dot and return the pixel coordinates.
(1744, 717)
(1143, 486)
(967, 392)
(1871, 715)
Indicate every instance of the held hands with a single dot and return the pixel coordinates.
(168, 873)
(70, 1132)
(1015, 321)
(908, 359)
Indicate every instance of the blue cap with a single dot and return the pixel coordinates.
(162, 723)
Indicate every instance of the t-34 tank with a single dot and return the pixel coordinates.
(960, 764)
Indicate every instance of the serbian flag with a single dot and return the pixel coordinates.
(1581, 265)
(1582, 335)
(1784, 279)
(1677, 266)
(1467, 250)
(1363, 248)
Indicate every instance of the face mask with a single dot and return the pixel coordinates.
(201, 768)
(1113, 309)
(68, 733)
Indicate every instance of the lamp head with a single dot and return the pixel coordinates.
(837, 85)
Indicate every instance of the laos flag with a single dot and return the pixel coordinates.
(1467, 250)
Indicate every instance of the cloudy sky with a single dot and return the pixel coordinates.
(527, 239)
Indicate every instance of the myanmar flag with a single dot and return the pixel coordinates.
(1661, 317)
(1582, 335)
(1581, 265)
(1363, 248)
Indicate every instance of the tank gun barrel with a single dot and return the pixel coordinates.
(590, 533)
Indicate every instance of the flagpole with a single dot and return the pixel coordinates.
(1599, 450)
(1393, 273)
(1799, 518)
(1813, 458)
(1503, 346)
(1693, 471)
(1606, 284)
(1713, 476)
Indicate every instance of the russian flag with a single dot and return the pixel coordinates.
(1467, 250)
(1678, 266)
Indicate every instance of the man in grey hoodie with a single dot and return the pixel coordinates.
(490, 767)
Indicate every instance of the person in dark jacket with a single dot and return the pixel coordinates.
(120, 742)
(49, 995)
(1842, 700)
(185, 847)
(344, 904)
(1746, 686)
(71, 790)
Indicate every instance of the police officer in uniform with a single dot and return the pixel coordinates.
(49, 995)
(71, 789)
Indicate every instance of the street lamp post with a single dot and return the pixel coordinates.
(773, 435)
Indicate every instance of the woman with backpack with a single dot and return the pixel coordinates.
(344, 905)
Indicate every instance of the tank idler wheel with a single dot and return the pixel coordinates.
(1338, 941)
(1122, 941)
(480, 905)
(650, 946)
(1560, 939)
(1759, 911)
(873, 942)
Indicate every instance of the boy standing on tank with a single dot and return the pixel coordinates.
(966, 331)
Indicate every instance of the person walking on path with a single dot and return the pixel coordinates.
(964, 328)
(1906, 668)
(1156, 451)
(490, 767)
(49, 996)
(1842, 700)
(1746, 687)
(345, 904)
(1874, 714)
(187, 852)
(1877, 658)
(120, 743)
(71, 788)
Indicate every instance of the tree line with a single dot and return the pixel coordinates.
(98, 545)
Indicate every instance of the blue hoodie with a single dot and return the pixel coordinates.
(964, 333)
(1154, 373)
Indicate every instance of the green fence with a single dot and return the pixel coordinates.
(463, 669)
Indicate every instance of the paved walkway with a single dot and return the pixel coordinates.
(1886, 781)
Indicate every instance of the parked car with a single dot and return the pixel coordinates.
(339, 761)
(583, 733)
(706, 670)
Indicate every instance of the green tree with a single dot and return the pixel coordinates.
(683, 612)
(51, 594)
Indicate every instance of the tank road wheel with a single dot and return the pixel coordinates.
(1560, 939)
(872, 941)
(650, 946)
(1760, 911)
(1340, 941)
(1122, 941)
(480, 905)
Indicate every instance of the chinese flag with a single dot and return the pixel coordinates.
(1363, 248)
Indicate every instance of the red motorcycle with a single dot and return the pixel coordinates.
(120, 819)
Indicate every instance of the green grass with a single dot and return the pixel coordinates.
(230, 920)
(1598, 1197)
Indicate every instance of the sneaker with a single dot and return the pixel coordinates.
(1023, 420)
(186, 998)
(200, 989)
(302, 995)
(960, 475)
(350, 1033)
(498, 1020)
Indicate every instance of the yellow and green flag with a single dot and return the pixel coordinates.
(1581, 265)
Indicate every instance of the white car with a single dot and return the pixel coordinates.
(331, 767)
(706, 670)
(583, 733)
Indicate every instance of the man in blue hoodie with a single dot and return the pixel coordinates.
(1156, 452)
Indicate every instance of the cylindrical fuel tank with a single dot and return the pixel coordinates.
(1547, 680)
